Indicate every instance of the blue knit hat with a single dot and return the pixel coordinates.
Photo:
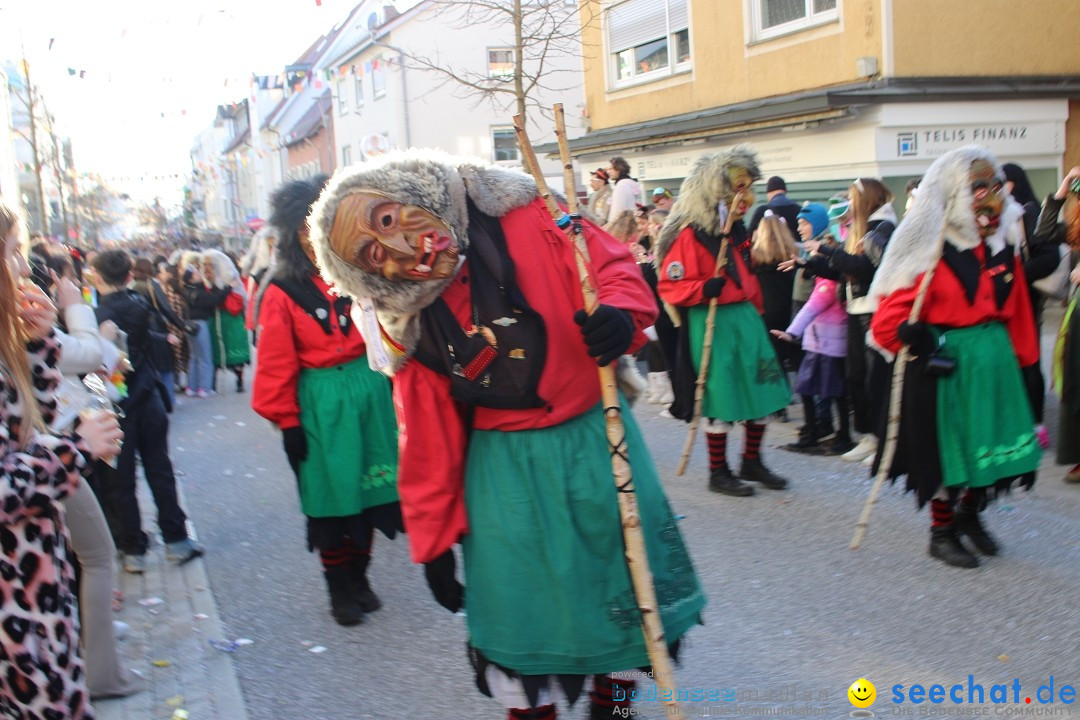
(817, 215)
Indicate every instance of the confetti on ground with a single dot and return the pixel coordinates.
(151, 602)
(317, 649)
(227, 473)
(241, 424)
(201, 616)
(240, 642)
(161, 663)
(175, 701)
(210, 425)
(179, 714)
(223, 645)
(1003, 658)
(306, 643)
(249, 475)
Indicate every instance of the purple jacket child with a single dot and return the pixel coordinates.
(822, 322)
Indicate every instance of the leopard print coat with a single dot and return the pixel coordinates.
(41, 673)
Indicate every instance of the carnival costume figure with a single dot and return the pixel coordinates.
(966, 429)
(502, 444)
(335, 413)
(745, 381)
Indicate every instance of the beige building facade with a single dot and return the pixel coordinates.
(830, 90)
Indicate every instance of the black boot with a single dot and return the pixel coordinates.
(722, 480)
(239, 381)
(755, 471)
(365, 596)
(838, 444)
(946, 547)
(966, 521)
(343, 605)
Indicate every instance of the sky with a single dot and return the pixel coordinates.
(149, 74)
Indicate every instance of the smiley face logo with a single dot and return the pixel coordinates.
(862, 693)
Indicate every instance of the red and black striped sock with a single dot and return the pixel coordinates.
(545, 712)
(941, 513)
(754, 434)
(334, 558)
(717, 450)
(611, 693)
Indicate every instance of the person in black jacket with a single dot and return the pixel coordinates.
(167, 326)
(780, 204)
(202, 300)
(145, 424)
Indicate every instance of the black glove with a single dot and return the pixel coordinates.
(439, 574)
(713, 287)
(917, 337)
(295, 446)
(608, 332)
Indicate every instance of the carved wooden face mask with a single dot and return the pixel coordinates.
(740, 180)
(988, 200)
(400, 242)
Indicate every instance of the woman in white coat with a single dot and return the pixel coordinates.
(83, 351)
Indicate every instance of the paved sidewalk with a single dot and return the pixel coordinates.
(173, 618)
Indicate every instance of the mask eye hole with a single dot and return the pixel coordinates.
(385, 216)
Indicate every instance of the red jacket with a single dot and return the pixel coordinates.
(432, 430)
(947, 305)
(689, 264)
(289, 341)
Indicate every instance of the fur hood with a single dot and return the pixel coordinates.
(913, 248)
(435, 181)
(260, 252)
(225, 273)
(702, 192)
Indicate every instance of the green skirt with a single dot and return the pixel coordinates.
(228, 333)
(745, 380)
(547, 588)
(985, 425)
(348, 419)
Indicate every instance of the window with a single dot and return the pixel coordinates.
(504, 144)
(342, 96)
(359, 90)
(647, 40)
(501, 63)
(346, 156)
(378, 78)
(779, 17)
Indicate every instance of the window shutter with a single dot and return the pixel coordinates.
(635, 22)
(679, 14)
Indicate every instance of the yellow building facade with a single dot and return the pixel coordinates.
(830, 90)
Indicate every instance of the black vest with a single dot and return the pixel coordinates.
(504, 375)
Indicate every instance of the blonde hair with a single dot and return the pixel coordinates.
(773, 242)
(13, 336)
(867, 195)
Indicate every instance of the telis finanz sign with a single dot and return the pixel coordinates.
(1008, 139)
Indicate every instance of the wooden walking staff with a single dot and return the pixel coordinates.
(706, 348)
(636, 558)
(896, 398)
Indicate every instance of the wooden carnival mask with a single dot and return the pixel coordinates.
(987, 198)
(400, 242)
(740, 180)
